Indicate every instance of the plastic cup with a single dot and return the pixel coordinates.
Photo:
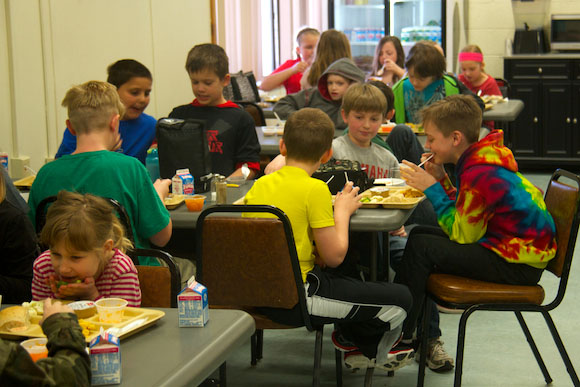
(111, 310)
(394, 173)
(194, 203)
(36, 348)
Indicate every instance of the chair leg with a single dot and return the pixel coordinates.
(317, 357)
(338, 360)
(424, 340)
(223, 379)
(260, 344)
(461, 345)
(253, 350)
(369, 377)
(561, 348)
(533, 346)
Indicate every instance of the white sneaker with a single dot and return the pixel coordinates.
(438, 359)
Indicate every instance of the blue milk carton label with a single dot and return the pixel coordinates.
(192, 304)
(105, 354)
(182, 183)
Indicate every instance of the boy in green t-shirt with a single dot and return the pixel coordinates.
(368, 315)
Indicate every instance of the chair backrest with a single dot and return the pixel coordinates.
(159, 284)
(504, 87)
(249, 261)
(255, 111)
(42, 207)
(563, 203)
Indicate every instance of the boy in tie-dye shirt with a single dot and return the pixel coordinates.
(494, 227)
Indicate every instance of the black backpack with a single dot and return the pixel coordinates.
(337, 168)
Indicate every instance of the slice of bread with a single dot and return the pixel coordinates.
(14, 319)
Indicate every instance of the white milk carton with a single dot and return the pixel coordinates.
(182, 183)
(105, 353)
(192, 304)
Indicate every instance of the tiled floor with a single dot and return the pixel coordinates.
(497, 353)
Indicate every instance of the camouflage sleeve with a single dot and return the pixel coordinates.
(68, 362)
(17, 368)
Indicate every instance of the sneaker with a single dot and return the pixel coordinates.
(399, 356)
(437, 359)
(341, 343)
(355, 360)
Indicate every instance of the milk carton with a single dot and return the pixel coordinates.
(182, 183)
(105, 353)
(192, 304)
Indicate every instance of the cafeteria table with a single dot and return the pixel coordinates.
(166, 355)
(365, 220)
(270, 143)
(504, 111)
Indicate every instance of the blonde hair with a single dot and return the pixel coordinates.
(83, 222)
(2, 186)
(455, 113)
(364, 97)
(331, 46)
(91, 105)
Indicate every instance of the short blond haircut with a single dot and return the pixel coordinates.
(91, 105)
(308, 133)
(455, 113)
(364, 97)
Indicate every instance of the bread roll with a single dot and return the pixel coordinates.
(14, 319)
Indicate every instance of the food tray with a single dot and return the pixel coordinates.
(173, 201)
(273, 130)
(25, 182)
(410, 202)
(387, 128)
(134, 320)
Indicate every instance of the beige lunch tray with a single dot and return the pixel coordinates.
(134, 320)
(25, 182)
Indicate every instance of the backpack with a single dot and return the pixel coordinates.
(242, 87)
(336, 169)
(183, 144)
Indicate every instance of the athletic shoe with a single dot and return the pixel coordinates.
(355, 360)
(399, 356)
(341, 343)
(437, 359)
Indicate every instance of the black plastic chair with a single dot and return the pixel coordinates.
(241, 273)
(504, 87)
(563, 202)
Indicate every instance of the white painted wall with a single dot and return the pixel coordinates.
(47, 46)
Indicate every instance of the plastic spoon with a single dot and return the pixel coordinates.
(381, 71)
(278, 118)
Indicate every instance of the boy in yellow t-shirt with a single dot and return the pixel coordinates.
(368, 315)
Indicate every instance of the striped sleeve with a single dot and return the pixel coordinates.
(120, 280)
(42, 270)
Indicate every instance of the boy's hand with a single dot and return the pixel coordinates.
(417, 177)
(85, 290)
(162, 187)
(276, 164)
(435, 170)
(347, 200)
(400, 232)
(50, 309)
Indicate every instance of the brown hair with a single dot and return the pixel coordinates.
(207, 56)
(2, 186)
(387, 92)
(425, 60)
(455, 113)
(331, 46)
(364, 97)
(398, 47)
(308, 133)
(84, 222)
(306, 31)
(91, 105)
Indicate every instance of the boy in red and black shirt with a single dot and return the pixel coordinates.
(231, 132)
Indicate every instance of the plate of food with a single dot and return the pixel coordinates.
(393, 197)
(19, 322)
(173, 201)
(273, 130)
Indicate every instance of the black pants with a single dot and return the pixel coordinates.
(429, 250)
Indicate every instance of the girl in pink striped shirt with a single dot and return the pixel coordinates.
(86, 259)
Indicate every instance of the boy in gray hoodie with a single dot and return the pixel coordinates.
(327, 96)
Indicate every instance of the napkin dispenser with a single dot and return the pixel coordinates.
(529, 41)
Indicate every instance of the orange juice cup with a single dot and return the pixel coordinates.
(111, 310)
(194, 203)
(36, 348)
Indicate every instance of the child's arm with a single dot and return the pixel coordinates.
(278, 78)
(332, 242)
(162, 237)
(41, 272)
(276, 164)
(290, 103)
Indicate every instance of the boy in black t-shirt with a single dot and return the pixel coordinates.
(231, 132)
